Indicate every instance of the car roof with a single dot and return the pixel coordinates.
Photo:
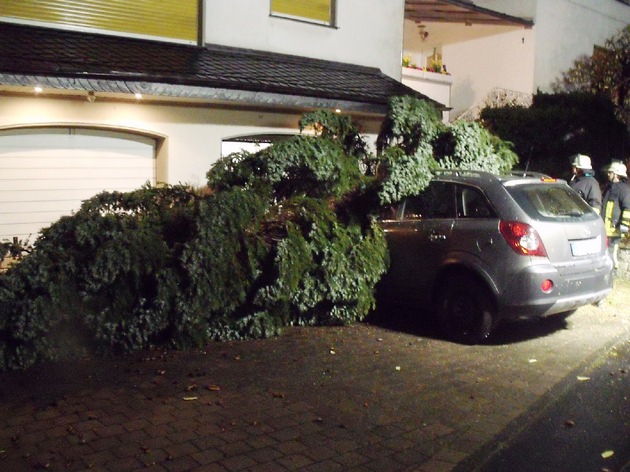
(483, 178)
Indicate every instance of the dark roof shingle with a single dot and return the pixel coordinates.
(77, 60)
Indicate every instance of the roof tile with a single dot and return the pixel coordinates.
(28, 51)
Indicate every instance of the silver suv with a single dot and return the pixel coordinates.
(478, 248)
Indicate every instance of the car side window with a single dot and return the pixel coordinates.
(436, 201)
(472, 204)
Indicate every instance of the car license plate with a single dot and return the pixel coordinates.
(586, 247)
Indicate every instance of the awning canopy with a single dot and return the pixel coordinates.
(459, 11)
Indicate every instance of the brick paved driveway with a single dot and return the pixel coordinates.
(364, 397)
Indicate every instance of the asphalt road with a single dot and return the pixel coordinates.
(586, 428)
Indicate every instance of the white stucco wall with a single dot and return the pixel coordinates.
(519, 8)
(368, 32)
(519, 59)
(192, 136)
(567, 29)
(478, 57)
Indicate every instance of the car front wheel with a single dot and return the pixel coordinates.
(465, 310)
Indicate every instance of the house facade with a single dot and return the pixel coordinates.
(514, 49)
(88, 104)
(96, 96)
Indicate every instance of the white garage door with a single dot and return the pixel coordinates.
(47, 173)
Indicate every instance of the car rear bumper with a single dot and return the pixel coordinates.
(524, 298)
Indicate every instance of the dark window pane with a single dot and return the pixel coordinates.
(437, 201)
(472, 204)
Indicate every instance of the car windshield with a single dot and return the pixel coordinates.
(550, 202)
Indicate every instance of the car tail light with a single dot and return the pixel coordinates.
(522, 238)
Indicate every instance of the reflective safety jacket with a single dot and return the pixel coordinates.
(616, 208)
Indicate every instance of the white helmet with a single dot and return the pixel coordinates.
(581, 162)
(617, 168)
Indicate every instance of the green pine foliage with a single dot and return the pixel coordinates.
(470, 146)
(403, 174)
(284, 236)
(99, 280)
(219, 266)
(409, 123)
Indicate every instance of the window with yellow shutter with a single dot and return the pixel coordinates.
(171, 20)
(313, 11)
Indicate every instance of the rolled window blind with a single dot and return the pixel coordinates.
(169, 19)
(320, 11)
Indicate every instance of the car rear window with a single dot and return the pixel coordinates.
(550, 202)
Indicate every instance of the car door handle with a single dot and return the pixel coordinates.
(435, 236)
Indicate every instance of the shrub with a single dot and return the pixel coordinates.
(605, 73)
(98, 280)
(558, 126)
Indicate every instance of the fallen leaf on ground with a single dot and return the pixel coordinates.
(607, 454)
(532, 361)
(569, 423)
(187, 399)
(583, 379)
(213, 388)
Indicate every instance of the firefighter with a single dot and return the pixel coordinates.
(616, 207)
(584, 182)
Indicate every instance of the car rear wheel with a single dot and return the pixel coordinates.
(465, 310)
